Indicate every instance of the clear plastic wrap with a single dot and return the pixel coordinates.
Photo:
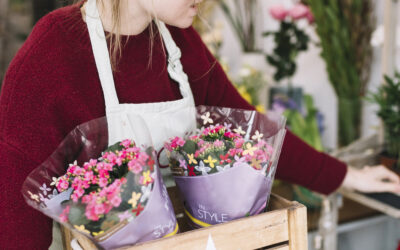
(226, 167)
(116, 200)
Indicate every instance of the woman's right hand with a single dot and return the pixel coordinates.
(371, 180)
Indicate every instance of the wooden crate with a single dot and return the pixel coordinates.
(284, 226)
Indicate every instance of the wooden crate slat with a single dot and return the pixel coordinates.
(297, 216)
(248, 233)
(287, 222)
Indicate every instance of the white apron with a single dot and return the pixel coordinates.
(134, 121)
(163, 119)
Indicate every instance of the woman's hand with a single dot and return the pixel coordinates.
(371, 180)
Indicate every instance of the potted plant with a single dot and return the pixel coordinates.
(387, 98)
(242, 17)
(344, 29)
(245, 19)
(289, 40)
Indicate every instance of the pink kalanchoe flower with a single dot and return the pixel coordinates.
(194, 137)
(239, 142)
(180, 142)
(88, 176)
(278, 12)
(177, 142)
(218, 143)
(167, 146)
(135, 166)
(299, 11)
(92, 162)
(111, 157)
(142, 157)
(71, 169)
(122, 154)
(201, 143)
(90, 212)
(115, 201)
(62, 185)
(108, 166)
(126, 143)
(103, 182)
(86, 199)
(118, 161)
(80, 192)
(74, 197)
(229, 134)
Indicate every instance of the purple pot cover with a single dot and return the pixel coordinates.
(156, 220)
(235, 193)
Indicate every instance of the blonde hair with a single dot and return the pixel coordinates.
(115, 49)
(114, 36)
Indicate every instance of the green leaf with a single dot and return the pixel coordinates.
(190, 147)
(114, 147)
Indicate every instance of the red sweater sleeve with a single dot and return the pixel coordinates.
(301, 164)
(298, 163)
(24, 227)
(28, 122)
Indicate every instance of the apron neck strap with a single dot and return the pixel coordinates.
(100, 52)
(174, 53)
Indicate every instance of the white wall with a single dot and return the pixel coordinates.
(311, 73)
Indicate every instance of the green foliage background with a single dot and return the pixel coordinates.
(345, 28)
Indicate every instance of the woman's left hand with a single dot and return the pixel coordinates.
(372, 180)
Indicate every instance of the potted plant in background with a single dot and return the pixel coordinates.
(289, 40)
(245, 20)
(387, 98)
(242, 17)
(345, 29)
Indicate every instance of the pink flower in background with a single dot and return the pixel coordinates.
(310, 17)
(299, 11)
(278, 12)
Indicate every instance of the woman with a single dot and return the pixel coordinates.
(63, 76)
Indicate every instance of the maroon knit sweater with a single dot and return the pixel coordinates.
(52, 85)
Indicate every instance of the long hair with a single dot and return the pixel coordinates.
(114, 36)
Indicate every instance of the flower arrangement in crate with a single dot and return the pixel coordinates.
(225, 168)
(111, 194)
(107, 191)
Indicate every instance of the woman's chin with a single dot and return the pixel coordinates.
(183, 24)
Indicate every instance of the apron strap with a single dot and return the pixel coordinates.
(175, 68)
(101, 55)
